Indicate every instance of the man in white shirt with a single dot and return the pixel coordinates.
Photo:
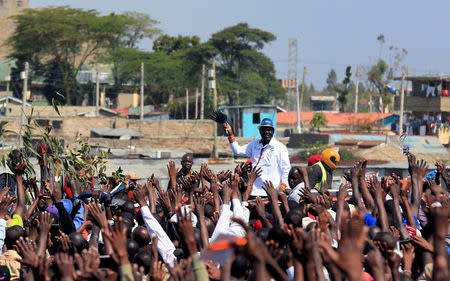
(266, 153)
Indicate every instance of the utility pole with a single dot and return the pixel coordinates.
(187, 104)
(357, 89)
(141, 111)
(97, 92)
(196, 104)
(8, 78)
(293, 72)
(213, 86)
(402, 101)
(202, 98)
(370, 103)
(24, 76)
(300, 103)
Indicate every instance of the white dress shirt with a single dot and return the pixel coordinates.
(272, 158)
(165, 245)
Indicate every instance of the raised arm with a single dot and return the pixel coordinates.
(237, 149)
(18, 169)
(165, 245)
(368, 199)
(417, 171)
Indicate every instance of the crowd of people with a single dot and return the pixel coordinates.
(214, 226)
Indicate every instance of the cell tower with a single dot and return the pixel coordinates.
(293, 76)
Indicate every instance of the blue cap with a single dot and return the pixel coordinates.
(266, 122)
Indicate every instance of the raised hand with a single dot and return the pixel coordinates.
(235, 179)
(226, 192)
(223, 175)
(408, 257)
(65, 266)
(16, 163)
(306, 196)
(172, 170)
(140, 194)
(343, 193)
(45, 223)
(159, 271)
(208, 196)
(164, 200)
(199, 203)
(271, 191)
(98, 214)
(422, 242)
(118, 240)
(55, 192)
(362, 171)
(187, 230)
(28, 252)
(209, 175)
(6, 202)
(177, 197)
(87, 264)
(259, 208)
(155, 182)
(189, 183)
(296, 241)
(65, 241)
(227, 128)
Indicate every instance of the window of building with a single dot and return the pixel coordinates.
(19, 3)
(2, 3)
(256, 118)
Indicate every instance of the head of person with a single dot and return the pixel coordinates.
(141, 236)
(313, 159)
(384, 241)
(78, 242)
(132, 179)
(13, 234)
(143, 259)
(186, 162)
(294, 177)
(331, 158)
(266, 130)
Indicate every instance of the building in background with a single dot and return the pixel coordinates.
(245, 119)
(429, 96)
(323, 103)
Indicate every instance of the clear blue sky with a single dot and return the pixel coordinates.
(331, 33)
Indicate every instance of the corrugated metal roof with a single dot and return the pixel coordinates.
(13, 99)
(118, 132)
(332, 118)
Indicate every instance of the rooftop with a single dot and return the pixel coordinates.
(332, 118)
(323, 98)
(427, 77)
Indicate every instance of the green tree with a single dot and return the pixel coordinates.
(169, 44)
(343, 89)
(331, 82)
(137, 27)
(123, 53)
(58, 41)
(241, 65)
(318, 120)
(378, 77)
